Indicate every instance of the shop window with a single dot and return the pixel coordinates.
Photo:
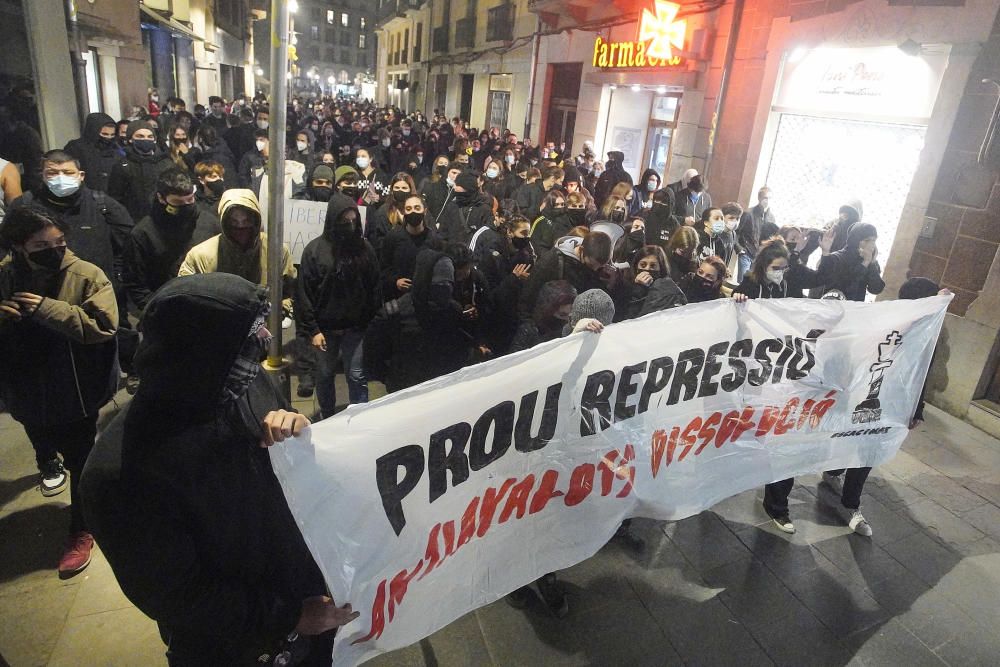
(818, 163)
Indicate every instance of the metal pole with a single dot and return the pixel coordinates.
(727, 67)
(531, 80)
(278, 111)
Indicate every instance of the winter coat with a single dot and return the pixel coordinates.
(546, 230)
(96, 159)
(133, 180)
(614, 173)
(204, 258)
(459, 223)
(156, 248)
(60, 364)
(217, 152)
(559, 263)
(182, 499)
(844, 271)
(529, 198)
(663, 294)
(377, 227)
(751, 230)
(98, 227)
(496, 260)
(854, 214)
(685, 208)
(399, 257)
(335, 294)
(436, 195)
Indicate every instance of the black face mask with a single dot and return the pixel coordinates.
(578, 216)
(216, 187)
(617, 216)
(50, 258)
(442, 170)
(144, 146)
(558, 210)
(464, 199)
(520, 242)
(400, 196)
(638, 236)
(351, 191)
(184, 213)
(322, 193)
(104, 142)
(413, 219)
(343, 230)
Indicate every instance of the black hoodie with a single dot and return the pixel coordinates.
(181, 498)
(844, 271)
(336, 291)
(133, 180)
(96, 158)
(614, 173)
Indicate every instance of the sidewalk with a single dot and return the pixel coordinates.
(719, 588)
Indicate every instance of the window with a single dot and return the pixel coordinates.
(361, 41)
(500, 23)
(417, 39)
(364, 23)
(345, 56)
(362, 60)
(330, 16)
(406, 46)
(345, 39)
(345, 20)
(314, 32)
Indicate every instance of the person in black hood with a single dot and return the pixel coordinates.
(848, 215)
(208, 147)
(319, 186)
(854, 270)
(555, 219)
(549, 316)
(161, 240)
(473, 208)
(133, 178)
(660, 219)
(504, 257)
(652, 289)
(649, 184)
(337, 295)
(180, 492)
(614, 173)
(705, 282)
(96, 150)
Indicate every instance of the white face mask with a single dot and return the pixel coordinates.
(718, 226)
(492, 173)
(301, 145)
(775, 276)
(63, 185)
(362, 162)
(509, 159)
(262, 124)
(386, 142)
(450, 181)
(260, 145)
(651, 186)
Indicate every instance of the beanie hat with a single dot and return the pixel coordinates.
(468, 181)
(322, 171)
(443, 272)
(593, 303)
(137, 125)
(572, 174)
(343, 172)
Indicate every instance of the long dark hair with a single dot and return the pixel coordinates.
(395, 210)
(772, 249)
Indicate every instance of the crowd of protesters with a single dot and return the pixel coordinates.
(136, 257)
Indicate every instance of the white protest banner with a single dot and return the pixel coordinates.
(304, 221)
(436, 500)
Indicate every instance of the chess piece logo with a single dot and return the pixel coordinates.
(870, 410)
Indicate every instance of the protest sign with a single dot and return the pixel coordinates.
(441, 498)
(304, 221)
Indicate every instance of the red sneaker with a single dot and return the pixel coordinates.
(76, 556)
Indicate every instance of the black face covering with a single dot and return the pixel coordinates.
(464, 199)
(104, 142)
(351, 191)
(577, 216)
(617, 216)
(50, 258)
(413, 219)
(216, 187)
(322, 193)
(183, 213)
(520, 242)
(442, 170)
(400, 195)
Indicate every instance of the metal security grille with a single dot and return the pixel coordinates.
(818, 164)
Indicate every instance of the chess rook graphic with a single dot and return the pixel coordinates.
(870, 410)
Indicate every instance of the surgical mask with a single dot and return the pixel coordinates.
(413, 219)
(492, 173)
(718, 226)
(362, 162)
(144, 146)
(63, 185)
(260, 146)
(262, 124)
(651, 186)
(775, 275)
(49, 258)
(509, 159)
(406, 132)
(386, 142)
(301, 145)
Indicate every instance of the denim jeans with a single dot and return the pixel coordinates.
(854, 484)
(347, 347)
(776, 497)
(743, 264)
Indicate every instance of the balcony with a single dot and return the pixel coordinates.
(500, 24)
(439, 40)
(465, 32)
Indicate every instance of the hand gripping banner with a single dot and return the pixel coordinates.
(437, 500)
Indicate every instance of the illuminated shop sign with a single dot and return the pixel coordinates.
(659, 34)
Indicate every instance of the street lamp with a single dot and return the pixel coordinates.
(293, 6)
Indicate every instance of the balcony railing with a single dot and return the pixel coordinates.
(465, 32)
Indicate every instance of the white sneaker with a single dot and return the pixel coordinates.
(835, 482)
(53, 478)
(286, 323)
(859, 524)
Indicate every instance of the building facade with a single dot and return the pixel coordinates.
(823, 101)
(465, 58)
(334, 45)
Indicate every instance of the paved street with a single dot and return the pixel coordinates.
(719, 588)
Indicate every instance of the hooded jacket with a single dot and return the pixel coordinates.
(204, 257)
(158, 245)
(217, 152)
(96, 159)
(132, 181)
(843, 270)
(614, 173)
(854, 212)
(399, 256)
(560, 263)
(60, 364)
(334, 294)
(181, 498)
